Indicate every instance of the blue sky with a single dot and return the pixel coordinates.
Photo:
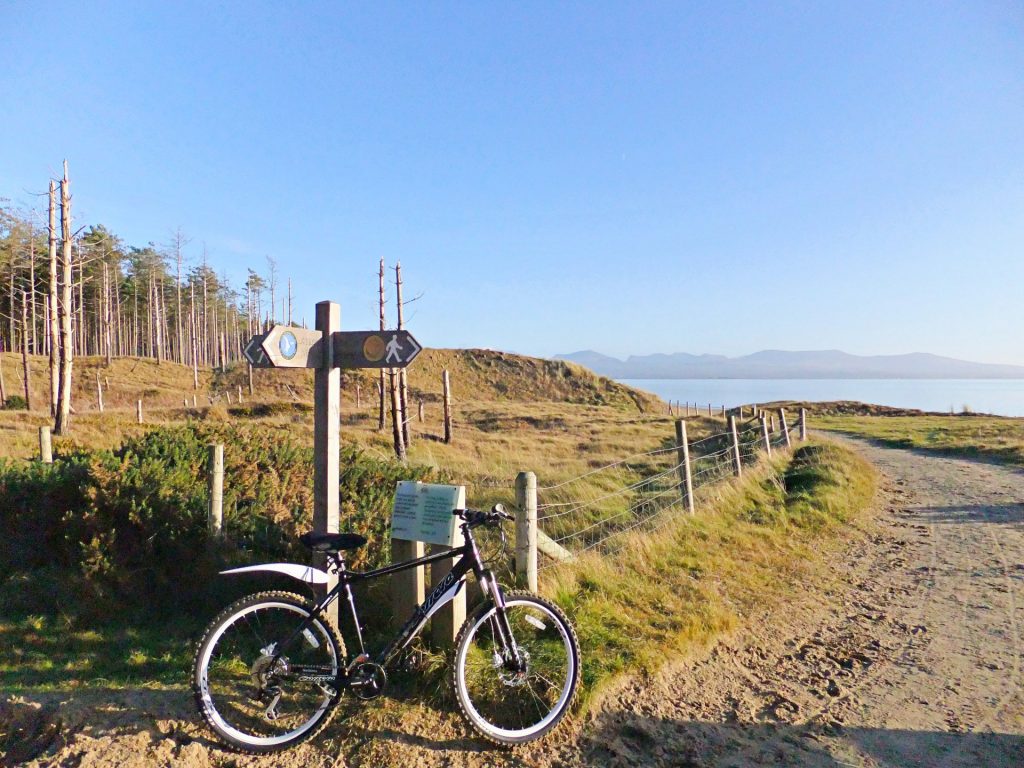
(632, 178)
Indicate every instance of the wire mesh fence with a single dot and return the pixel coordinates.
(644, 491)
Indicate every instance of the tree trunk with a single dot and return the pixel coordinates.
(24, 351)
(61, 424)
(53, 325)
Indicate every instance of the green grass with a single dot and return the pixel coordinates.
(990, 437)
(752, 545)
(42, 653)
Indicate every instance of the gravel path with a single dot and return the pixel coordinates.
(910, 655)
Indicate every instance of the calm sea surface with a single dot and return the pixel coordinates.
(1004, 397)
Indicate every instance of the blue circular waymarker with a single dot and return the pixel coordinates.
(288, 345)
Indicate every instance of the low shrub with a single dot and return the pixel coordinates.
(127, 529)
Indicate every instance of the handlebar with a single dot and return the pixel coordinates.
(475, 517)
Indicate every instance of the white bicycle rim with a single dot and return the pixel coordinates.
(204, 683)
(563, 698)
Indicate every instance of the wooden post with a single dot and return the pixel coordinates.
(359, 398)
(736, 459)
(138, 411)
(420, 411)
(785, 427)
(408, 587)
(723, 412)
(683, 453)
(239, 394)
(803, 424)
(99, 393)
(195, 401)
(327, 437)
(251, 388)
(709, 410)
(215, 480)
(447, 406)
(184, 402)
(45, 448)
(764, 434)
(526, 529)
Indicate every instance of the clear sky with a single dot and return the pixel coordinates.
(631, 178)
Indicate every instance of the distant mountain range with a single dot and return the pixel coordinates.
(778, 364)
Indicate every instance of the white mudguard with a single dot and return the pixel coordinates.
(306, 573)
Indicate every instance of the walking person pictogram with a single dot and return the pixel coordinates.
(393, 349)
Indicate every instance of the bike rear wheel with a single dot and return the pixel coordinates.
(503, 704)
(252, 701)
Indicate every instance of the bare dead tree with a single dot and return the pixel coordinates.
(53, 323)
(380, 383)
(61, 424)
(24, 350)
(403, 382)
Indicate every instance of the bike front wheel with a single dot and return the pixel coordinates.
(260, 681)
(509, 705)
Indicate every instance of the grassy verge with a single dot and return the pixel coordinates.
(751, 544)
(990, 437)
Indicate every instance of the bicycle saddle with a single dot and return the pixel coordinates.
(332, 542)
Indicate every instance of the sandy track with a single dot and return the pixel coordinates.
(910, 655)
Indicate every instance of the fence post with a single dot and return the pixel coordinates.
(138, 411)
(45, 448)
(764, 434)
(785, 427)
(215, 512)
(99, 393)
(803, 424)
(239, 394)
(737, 462)
(195, 402)
(359, 396)
(184, 402)
(683, 453)
(526, 528)
(447, 407)
(420, 411)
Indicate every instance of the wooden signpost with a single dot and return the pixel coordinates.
(327, 350)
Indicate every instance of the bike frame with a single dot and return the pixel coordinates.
(443, 591)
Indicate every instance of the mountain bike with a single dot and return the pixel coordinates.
(270, 669)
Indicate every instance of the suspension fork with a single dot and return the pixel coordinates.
(500, 620)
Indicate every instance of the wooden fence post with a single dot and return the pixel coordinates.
(803, 424)
(327, 438)
(99, 393)
(215, 479)
(239, 394)
(683, 453)
(526, 529)
(785, 427)
(251, 393)
(709, 410)
(45, 447)
(195, 401)
(184, 402)
(359, 397)
(447, 407)
(764, 434)
(138, 411)
(736, 459)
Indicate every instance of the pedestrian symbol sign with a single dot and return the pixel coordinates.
(290, 347)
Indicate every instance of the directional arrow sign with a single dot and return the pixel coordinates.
(254, 352)
(374, 349)
(289, 347)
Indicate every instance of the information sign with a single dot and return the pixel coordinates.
(423, 512)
